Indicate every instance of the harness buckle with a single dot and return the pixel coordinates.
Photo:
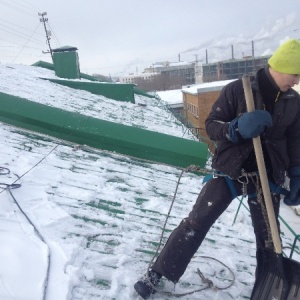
(215, 174)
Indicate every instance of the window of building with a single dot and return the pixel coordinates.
(193, 109)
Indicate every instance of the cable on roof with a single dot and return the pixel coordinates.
(46, 281)
(14, 185)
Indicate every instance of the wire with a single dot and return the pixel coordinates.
(17, 33)
(9, 187)
(25, 6)
(19, 26)
(52, 32)
(17, 44)
(46, 281)
(16, 8)
(25, 44)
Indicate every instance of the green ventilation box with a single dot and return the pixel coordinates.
(66, 62)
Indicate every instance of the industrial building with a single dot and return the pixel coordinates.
(233, 68)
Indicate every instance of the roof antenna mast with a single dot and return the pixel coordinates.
(48, 33)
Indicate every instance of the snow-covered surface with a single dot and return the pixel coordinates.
(176, 97)
(32, 87)
(171, 97)
(193, 89)
(98, 218)
(101, 216)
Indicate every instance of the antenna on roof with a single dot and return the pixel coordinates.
(48, 32)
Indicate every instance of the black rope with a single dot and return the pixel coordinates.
(46, 281)
(209, 283)
(14, 185)
(4, 171)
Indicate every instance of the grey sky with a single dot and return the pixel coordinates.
(120, 36)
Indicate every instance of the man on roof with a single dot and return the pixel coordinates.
(277, 121)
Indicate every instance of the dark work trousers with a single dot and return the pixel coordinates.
(212, 201)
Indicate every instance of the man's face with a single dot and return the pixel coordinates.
(286, 81)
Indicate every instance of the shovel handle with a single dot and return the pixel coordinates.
(262, 170)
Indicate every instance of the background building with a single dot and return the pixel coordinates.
(163, 76)
(197, 103)
(233, 68)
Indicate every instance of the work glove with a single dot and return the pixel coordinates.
(249, 125)
(293, 197)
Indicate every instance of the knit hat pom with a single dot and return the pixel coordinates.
(286, 59)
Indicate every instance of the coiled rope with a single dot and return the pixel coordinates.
(209, 283)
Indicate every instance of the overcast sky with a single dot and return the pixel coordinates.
(118, 37)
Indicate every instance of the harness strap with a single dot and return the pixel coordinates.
(277, 189)
(274, 188)
(231, 186)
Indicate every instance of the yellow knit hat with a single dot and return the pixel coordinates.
(286, 59)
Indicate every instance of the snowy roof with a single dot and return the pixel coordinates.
(139, 75)
(64, 49)
(207, 86)
(152, 117)
(179, 63)
(85, 223)
(172, 64)
(171, 96)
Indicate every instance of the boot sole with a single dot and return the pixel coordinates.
(142, 289)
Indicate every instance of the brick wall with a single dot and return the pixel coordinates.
(192, 99)
(204, 102)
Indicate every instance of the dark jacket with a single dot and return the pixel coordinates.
(281, 141)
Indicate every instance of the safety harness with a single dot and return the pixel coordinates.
(274, 188)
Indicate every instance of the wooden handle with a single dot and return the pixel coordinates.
(262, 170)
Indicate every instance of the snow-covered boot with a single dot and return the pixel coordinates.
(146, 285)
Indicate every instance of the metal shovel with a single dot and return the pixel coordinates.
(279, 278)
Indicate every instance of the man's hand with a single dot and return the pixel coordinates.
(249, 125)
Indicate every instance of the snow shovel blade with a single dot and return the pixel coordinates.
(279, 278)
(293, 269)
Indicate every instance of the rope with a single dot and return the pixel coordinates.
(260, 200)
(14, 185)
(205, 280)
(5, 171)
(46, 280)
(209, 283)
(191, 169)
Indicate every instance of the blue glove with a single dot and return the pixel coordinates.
(293, 198)
(249, 125)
